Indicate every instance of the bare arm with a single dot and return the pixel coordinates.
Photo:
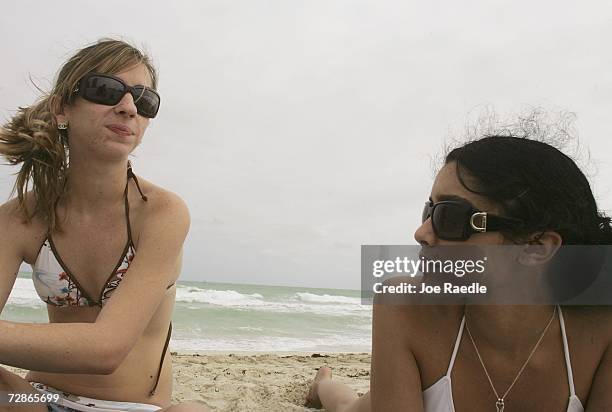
(100, 347)
(396, 383)
(10, 251)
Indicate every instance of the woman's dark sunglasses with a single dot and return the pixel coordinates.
(109, 90)
(458, 220)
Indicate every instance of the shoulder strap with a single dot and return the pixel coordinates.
(456, 348)
(161, 361)
(131, 174)
(127, 214)
(568, 362)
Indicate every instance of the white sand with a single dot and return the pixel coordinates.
(258, 381)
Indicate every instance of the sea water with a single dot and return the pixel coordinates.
(237, 317)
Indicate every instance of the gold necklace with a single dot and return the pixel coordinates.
(499, 404)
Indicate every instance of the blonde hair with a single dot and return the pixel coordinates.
(32, 138)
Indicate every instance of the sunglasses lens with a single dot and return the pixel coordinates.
(102, 90)
(449, 220)
(146, 101)
(106, 90)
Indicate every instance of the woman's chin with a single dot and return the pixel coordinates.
(115, 152)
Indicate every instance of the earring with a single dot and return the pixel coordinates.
(62, 126)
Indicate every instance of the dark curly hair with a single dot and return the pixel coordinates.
(544, 188)
(536, 183)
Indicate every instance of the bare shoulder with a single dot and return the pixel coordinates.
(11, 212)
(13, 217)
(415, 324)
(414, 312)
(588, 314)
(410, 348)
(162, 208)
(593, 321)
(160, 199)
(22, 235)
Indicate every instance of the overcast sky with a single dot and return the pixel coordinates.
(297, 131)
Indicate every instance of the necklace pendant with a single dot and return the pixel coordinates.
(500, 405)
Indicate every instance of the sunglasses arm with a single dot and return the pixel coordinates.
(490, 222)
(483, 222)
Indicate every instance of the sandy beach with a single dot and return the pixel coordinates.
(259, 381)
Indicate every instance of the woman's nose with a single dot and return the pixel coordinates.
(126, 106)
(424, 235)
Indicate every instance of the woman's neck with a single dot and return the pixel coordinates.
(93, 186)
(510, 329)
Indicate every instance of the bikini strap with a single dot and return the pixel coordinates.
(127, 214)
(131, 174)
(456, 348)
(161, 361)
(568, 362)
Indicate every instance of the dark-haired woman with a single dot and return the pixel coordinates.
(105, 247)
(487, 358)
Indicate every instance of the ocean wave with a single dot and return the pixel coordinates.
(331, 343)
(344, 324)
(301, 302)
(192, 294)
(250, 328)
(194, 298)
(313, 298)
(24, 295)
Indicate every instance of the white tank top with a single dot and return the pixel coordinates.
(439, 396)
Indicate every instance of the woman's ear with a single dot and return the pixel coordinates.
(540, 248)
(57, 109)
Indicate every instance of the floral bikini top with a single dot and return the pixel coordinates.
(57, 286)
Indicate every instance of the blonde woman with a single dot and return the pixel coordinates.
(104, 246)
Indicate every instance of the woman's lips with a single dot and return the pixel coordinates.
(120, 129)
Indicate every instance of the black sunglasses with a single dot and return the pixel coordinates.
(109, 90)
(458, 220)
